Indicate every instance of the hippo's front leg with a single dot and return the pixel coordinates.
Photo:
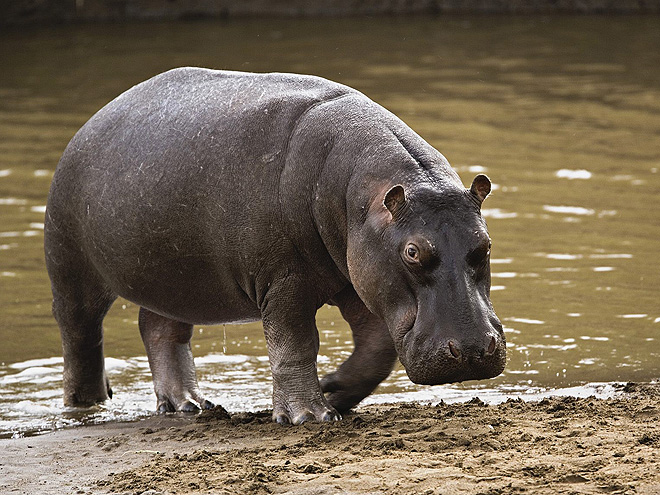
(293, 344)
(372, 360)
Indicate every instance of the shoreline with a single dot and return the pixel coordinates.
(556, 445)
(60, 417)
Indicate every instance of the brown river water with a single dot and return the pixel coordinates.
(563, 113)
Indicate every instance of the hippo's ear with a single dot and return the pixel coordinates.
(480, 187)
(394, 200)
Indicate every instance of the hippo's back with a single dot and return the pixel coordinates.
(188, 136)
(194, 110)
(181, 173)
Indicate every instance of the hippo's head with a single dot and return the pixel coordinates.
(421, 261)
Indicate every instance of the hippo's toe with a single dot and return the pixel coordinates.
(293, 415)
(189, 407)
(165, 407)
(304, 417)
(169, 405)
(331, 416)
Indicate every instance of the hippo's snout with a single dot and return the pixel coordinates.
(473, 353)
(437, 360)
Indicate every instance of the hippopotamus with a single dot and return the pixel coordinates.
(209, 197)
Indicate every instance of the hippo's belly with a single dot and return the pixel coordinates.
(188, 289)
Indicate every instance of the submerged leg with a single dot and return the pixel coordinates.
(167, 343)
(80, 302)
(81, 327)
(372, 360)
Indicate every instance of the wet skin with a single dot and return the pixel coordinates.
(214, 197)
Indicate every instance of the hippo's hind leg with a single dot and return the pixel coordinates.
(80, 302)
(372, 360)
(167, 343)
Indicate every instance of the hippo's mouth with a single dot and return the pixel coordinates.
(433, 360)
(403, 329)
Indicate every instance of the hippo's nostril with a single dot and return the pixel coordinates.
(454, 350)
(492, 345)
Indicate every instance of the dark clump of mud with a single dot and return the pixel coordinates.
(557, 445)
(218, 413)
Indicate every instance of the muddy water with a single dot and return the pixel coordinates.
(562, 113)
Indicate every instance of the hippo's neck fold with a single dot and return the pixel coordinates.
(348, 151)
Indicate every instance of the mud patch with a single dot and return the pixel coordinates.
(559, 445)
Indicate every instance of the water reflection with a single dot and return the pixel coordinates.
(562, 113)
(573, 174)
(569, 210)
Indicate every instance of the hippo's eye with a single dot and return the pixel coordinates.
(479, 256)
(411, 253)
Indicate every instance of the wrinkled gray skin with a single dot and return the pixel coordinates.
(211, 197)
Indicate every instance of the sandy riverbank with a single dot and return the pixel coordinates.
(558, 445)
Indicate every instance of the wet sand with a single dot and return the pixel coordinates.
(558, 445)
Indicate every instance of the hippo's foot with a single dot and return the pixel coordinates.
(171, 361)
(182, 403)
(85, 381)
(87, 394)
(296, 412)
(344, 392)
(357, 377)
(177, 391)
(297, 396)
